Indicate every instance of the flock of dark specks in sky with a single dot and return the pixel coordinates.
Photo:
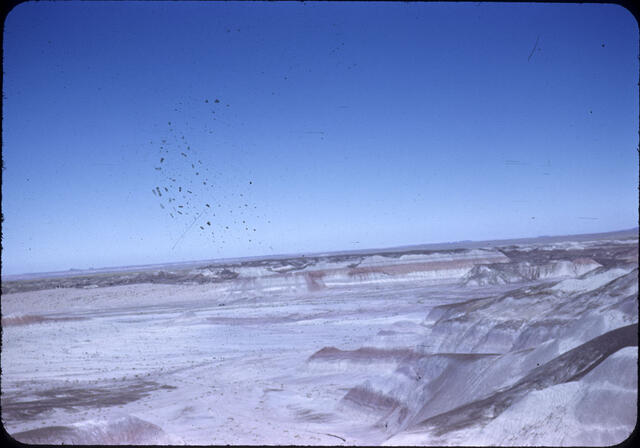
(193, 191)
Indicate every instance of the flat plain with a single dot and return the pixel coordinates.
(527, 342)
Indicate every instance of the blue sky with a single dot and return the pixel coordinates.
(337, 127)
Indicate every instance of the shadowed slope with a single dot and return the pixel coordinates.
(570, 366)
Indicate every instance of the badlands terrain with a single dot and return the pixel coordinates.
(520, 342)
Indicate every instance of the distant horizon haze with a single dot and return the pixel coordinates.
(440, 245)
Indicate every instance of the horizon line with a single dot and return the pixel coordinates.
(406, 247)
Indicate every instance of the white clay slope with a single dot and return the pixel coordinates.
(530, 345)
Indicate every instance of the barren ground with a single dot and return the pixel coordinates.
(522, 344)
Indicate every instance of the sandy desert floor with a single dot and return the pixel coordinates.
(521, 344)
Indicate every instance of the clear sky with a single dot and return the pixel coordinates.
(322, 126)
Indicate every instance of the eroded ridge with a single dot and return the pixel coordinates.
(528, 343)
